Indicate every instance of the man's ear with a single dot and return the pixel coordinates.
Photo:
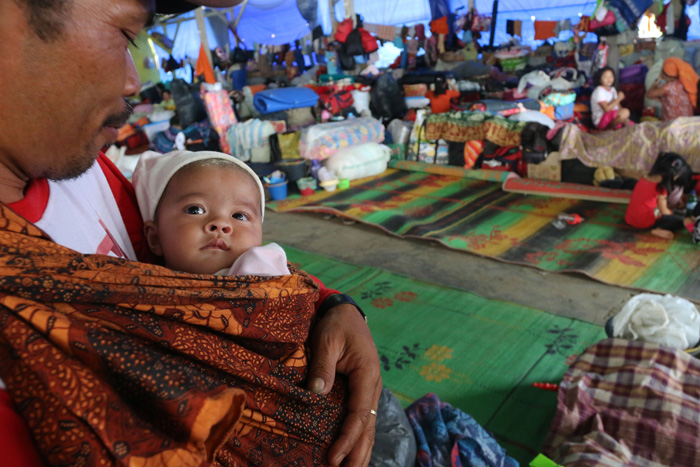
(150, 230)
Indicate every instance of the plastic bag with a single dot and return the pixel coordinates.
(660, 319)
(394, 441)
(362, 160)
(386, 101)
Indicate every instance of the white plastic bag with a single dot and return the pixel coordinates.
(362, 160)
(660, 319)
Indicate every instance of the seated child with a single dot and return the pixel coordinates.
(203, 214)
(605, 102)
(648, 207)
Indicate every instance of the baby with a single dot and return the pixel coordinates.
(203, 213)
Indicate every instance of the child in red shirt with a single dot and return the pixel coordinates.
(648, 208)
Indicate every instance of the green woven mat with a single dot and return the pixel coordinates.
(480, 355)
(475, 215)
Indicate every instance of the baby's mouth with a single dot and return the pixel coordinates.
(216, 244)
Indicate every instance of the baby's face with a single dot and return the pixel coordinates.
(207, 218)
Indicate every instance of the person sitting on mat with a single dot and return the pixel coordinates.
(649, 207)
(441, 95)
(676, 88)
(605, 102)
(203, 214)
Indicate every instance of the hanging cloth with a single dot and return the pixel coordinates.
(544, 30)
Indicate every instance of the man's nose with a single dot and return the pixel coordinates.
(132, 84)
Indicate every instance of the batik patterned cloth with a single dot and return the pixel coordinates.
(628, 403)
(117, 362)
(634, 147)
(459, 127)
(446, 436)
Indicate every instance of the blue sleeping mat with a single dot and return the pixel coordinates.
(273, 100)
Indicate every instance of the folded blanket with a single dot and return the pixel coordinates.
(273, 100)
(118, 362)
(628, 403)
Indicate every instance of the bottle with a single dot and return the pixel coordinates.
(692, 202)
(315, 167)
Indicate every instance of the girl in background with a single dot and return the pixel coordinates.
(649, 207)
(605, 102)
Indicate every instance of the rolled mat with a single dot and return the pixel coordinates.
(274, 100)
(553, 189)
(453, 171)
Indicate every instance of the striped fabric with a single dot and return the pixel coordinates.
(628, 403)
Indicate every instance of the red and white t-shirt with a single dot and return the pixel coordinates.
(80, 214)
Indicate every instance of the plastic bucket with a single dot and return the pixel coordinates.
(306, 182)
(278, 191)
(294, 169)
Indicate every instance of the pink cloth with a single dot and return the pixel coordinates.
(675, 101)
(268, 260)
(605, 120)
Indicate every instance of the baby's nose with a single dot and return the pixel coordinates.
(220, 226)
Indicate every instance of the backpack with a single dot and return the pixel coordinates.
(533, 140)
(369, 42)
(353, 45)
(343, 30)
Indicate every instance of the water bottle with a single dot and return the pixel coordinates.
(692, 202)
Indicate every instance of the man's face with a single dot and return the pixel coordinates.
(207, 217)
(63, 100)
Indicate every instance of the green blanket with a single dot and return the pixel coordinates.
(480, 355)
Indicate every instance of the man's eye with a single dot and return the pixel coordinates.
(128, 38)
(194, 210)
(240, 216)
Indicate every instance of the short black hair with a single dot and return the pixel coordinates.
(598, 75)
(46, 17)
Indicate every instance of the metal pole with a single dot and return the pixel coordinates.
(494, 14)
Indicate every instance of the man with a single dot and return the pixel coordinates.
(66, 72)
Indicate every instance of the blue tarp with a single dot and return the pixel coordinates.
(273, 100)
(280, 22)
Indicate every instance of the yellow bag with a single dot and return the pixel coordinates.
(285, 146)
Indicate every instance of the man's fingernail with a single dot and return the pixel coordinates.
(339, 458)
(317, 385)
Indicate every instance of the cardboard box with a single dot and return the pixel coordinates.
(549, 169)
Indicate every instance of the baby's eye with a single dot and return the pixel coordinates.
(194, 210)
(240, 216)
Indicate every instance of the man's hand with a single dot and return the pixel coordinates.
(341, 342)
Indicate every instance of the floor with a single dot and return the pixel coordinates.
(564, 294)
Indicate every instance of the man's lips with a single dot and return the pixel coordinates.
(216, 244)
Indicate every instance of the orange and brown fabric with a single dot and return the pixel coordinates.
(117, 362)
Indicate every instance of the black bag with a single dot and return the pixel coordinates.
(188, 103)
(386, 99)
(533, 140)
(345, 60)
(239, 55)
(353, 44)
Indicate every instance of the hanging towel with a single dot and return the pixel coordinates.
(544, 30)
(204, 66)
(386, 33)
(514, 27)
(562, 25)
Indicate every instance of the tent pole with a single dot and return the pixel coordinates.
(334, 23)
(494, 14)
(240, 13)
(202, 27)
